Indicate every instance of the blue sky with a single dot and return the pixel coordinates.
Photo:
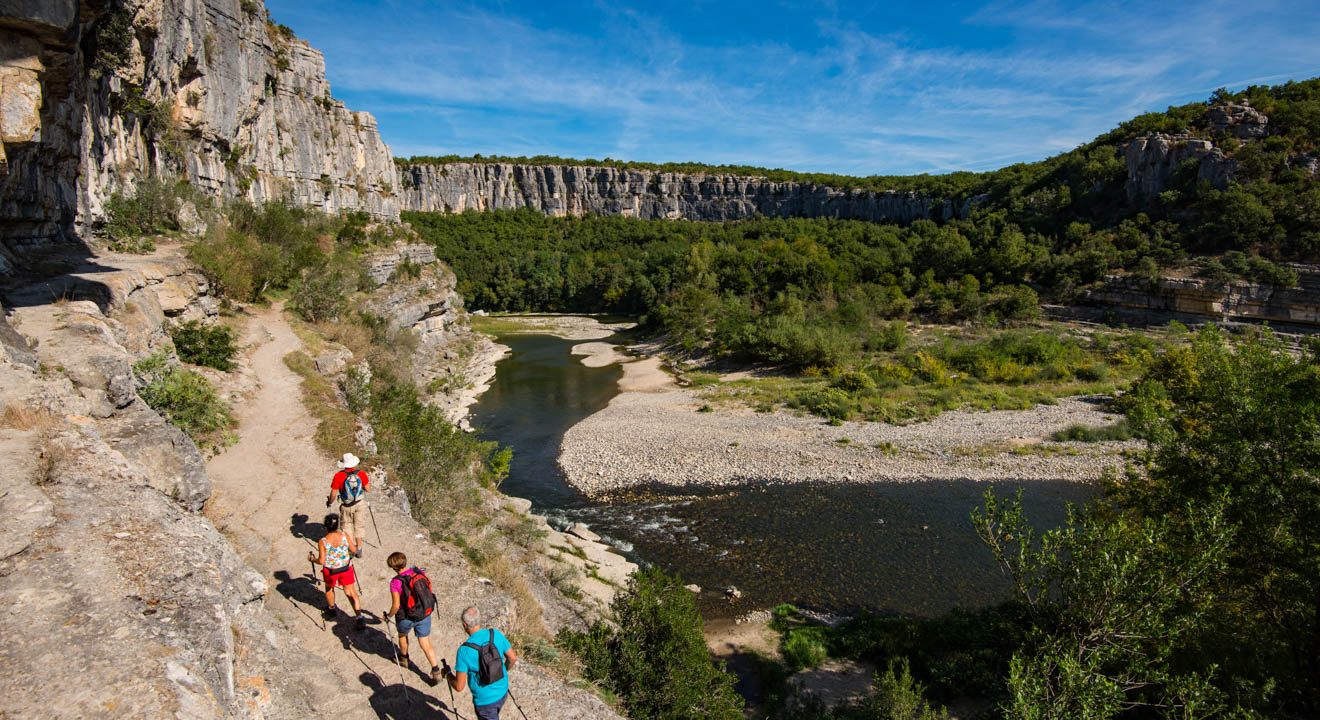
(850, 87)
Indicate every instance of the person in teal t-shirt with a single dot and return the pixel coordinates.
(487, 700)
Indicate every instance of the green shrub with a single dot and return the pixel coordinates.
(321, 294)
(899, 697)
(656, 659)
(185, 398)
(150, 210)
(209, 345)
(853, 381)
(1094, 433)
(830, 403)
(804, 649)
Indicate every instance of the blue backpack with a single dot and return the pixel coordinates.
(351, 491)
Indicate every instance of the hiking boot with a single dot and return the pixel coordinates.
(329, 613)
(435, 676)
(361, 623)
(403, 660)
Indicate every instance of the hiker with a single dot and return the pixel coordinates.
(335, 559)
(411, 604)
(482, 662)
(350, 484)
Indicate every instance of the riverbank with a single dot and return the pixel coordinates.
(657, 434)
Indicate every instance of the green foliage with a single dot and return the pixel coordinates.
(656, 659)
(185, 398)
(804, 650)
(150, 210)
(1113, 599)
(1120, 430)
(260, 249)
(114, 41)
(209, 345)
(438, 465)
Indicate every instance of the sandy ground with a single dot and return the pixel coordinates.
(269, 498)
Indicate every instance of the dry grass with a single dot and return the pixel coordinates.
(25, 417)
(336, 427)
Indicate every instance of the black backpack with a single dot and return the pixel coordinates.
(416, 600)
(490, 662)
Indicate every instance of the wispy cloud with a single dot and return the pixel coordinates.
(836, 87)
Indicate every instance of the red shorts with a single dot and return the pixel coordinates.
(341, 578)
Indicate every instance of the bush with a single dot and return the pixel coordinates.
(853, 381)
(656, 659)
(150, 210)
(185, 399)
(803, 650)
(830, 403)
(209, 345)
(1094, 433)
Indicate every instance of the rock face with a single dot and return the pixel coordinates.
(1241, 121)
(93, 98)
(561, 190)
(1152, 161)
(1172, 298)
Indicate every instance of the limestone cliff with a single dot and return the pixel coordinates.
(96, 95)
(579, 190)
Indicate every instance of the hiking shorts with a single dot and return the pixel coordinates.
(421, 628)
(491, 711)
(343, 578)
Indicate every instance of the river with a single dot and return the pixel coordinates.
(900, 547)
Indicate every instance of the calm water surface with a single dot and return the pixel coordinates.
(899, 547)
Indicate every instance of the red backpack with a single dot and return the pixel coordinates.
(416, 600)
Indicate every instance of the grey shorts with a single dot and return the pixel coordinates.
(491, 711)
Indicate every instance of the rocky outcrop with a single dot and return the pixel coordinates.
(96, 96)
(101, 547)
(1153, 160)
(1239, 120)
(560, 190)
(1199, 298)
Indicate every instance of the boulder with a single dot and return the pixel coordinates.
(582, 531)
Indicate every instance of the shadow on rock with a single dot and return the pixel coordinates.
(401, 702)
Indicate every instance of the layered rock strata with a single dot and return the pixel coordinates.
(1175, 297)
(560, 190)
(96, 96)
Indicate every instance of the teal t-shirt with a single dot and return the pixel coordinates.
(466, 661)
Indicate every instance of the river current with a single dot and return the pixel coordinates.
(899, 547)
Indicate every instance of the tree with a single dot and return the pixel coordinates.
(656, 659)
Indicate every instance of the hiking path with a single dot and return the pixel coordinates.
(269, 499)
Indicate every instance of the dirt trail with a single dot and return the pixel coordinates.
(269, 498)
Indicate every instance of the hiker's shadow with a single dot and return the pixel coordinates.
(301, 589)
(369, 640)
(399, 702)
(300, 527)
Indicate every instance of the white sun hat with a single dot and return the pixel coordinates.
(350, 461)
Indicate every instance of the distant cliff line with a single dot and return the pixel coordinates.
(657, 193)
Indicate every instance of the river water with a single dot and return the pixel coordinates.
(900, 547)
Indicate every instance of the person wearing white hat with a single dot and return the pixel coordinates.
(350, 484)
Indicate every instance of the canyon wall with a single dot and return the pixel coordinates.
(95, 96)
(560, 190)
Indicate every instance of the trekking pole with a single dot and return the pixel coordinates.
(515, 702)
(316, 584)
(374, 526)
(394, 645)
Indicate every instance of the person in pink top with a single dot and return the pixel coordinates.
(411, 604)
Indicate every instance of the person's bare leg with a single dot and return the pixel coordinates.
(351, 592)
(403, 645)
(329, 597)
(427, 650)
